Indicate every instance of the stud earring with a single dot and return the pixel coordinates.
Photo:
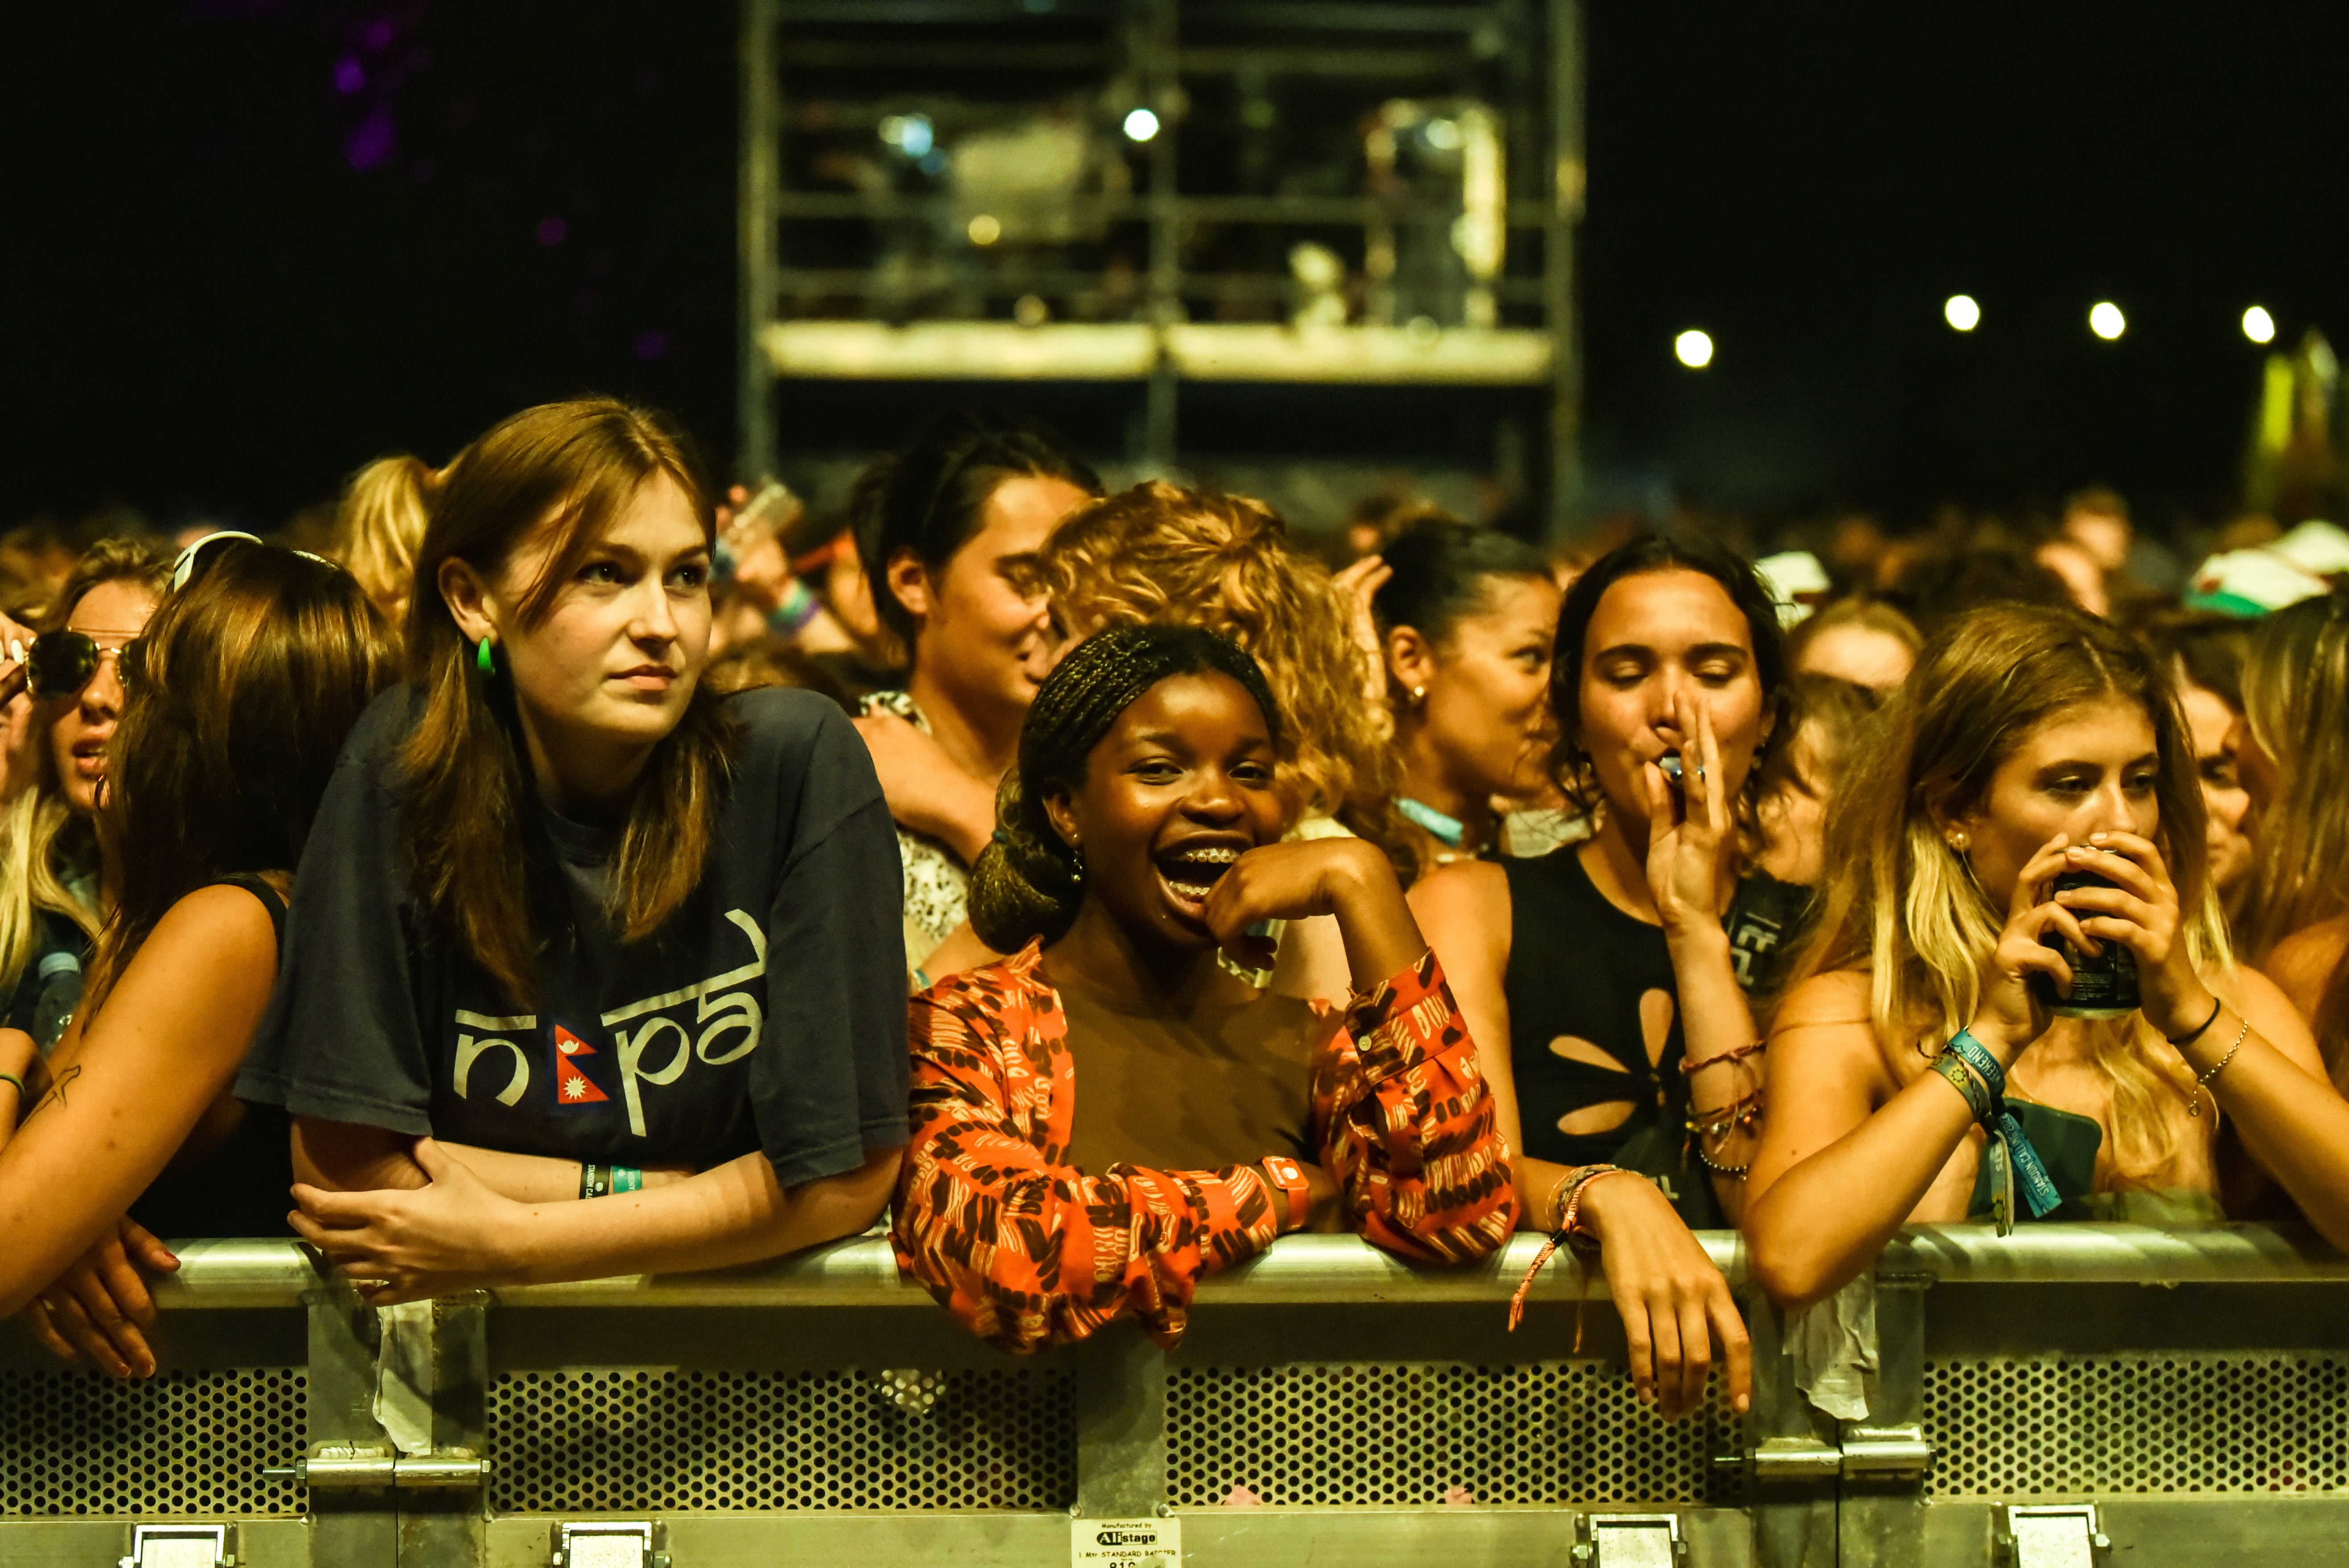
(1959, 841)
(1418, 695)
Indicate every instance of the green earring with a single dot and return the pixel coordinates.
(481, 660)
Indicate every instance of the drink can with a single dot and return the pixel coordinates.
(2103, 984)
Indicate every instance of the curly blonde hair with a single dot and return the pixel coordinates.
(1196, 558)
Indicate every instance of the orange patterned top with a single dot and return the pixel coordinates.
(1030, 1251)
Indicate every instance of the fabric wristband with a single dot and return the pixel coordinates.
(2037, 1189)
(1966, 1083)
(1289, 1177)
(594, 1181)
(627, 1179)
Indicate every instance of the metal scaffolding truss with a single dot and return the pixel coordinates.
(1162, 192)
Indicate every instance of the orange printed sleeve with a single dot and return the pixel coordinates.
(1028, 1251)
(1025, 1249)
(1406, 1126)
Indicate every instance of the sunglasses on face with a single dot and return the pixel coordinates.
(59, 663)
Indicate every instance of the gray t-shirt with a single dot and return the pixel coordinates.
(769, 1013)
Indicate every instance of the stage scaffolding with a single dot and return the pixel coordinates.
(1163, 204)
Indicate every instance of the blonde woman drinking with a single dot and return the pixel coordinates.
(1922, 1043)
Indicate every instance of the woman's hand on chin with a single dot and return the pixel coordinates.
(1676, 1308)
(450, 1236)
(1349, 878)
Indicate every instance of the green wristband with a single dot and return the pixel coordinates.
(11, 1077)
(627, 1179)
(1966, 1083)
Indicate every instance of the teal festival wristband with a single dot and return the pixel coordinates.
(2037, 1189)
(627, 1179)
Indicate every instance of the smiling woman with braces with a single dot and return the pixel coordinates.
(1140, 833)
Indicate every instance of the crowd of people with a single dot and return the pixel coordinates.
(573, 871)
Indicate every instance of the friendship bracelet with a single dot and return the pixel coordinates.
(2194, 1106)
(1581, 1177)
(1737, 1054)
(2217, 1007)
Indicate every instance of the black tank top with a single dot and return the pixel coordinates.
(1580, 969)
(239, 1188)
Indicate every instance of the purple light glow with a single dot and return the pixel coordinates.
(372, 142)
(380, 34)
(651, 345)
(349, 76)
(553, 232)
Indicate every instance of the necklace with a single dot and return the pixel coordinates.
(1447, 830)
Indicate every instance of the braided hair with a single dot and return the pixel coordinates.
(1026, 882)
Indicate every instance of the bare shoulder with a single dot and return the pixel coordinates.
(224, 921)
(1823, 1026)
(1464, 891)
(2303, 961)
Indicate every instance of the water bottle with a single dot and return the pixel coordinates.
(60, 974)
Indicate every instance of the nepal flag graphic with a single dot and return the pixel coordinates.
(573, 1087)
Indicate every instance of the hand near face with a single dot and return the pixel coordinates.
(1691, 836)
(2012, 1016)
(1345, 877)
(2140, 913)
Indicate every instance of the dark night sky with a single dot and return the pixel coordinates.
(206, 305)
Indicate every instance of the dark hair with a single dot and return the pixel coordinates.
(2211, 650)
(1936, 588)
(571, 467)
(1669, 552)
(1025, 884)
(929, 498)
(1440, 574)
(243, 689)
(1842, 710)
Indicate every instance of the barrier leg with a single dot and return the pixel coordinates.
(350, 1527)
(1794, 1521)
(1882, 1522)
(1120, 1426)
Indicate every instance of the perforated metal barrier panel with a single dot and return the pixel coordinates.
(2138, 1425)
(78, 1444)
(1404, 1435)
(671, 1442)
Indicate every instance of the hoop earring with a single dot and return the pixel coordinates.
(482, 661)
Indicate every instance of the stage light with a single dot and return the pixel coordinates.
(2259, 325)
(985, 229)
(1693, 349)
(1960, 311)
(1141, 125)
(2106, 320)
(911, 134)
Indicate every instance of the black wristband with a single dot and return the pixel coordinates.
(594, 1181)
(2217, 1007)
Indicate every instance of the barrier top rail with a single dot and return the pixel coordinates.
(1310, 1268)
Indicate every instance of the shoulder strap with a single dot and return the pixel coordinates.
(260, 889)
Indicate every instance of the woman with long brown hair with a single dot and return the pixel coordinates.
(2291, 747)
(573, 926)
(239, 694)
(2027, 805)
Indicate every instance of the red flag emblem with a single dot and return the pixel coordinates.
(572, 1086)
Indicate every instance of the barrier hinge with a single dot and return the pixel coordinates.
(181, 1546)
(2059, 1535)
(353, 1469)
(1873, 1453)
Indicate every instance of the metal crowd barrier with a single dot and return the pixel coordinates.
(2073, 1394)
